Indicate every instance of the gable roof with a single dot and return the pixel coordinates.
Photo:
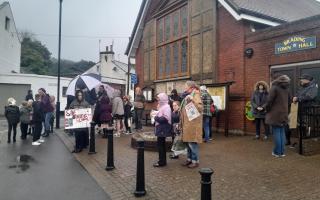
(278, 11)
(4, 4)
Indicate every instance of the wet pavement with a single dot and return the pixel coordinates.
(47, 172)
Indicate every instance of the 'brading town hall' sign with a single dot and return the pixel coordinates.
(296, 43)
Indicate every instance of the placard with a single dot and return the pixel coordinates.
(77, 118)
(192, 111)
(218, 95)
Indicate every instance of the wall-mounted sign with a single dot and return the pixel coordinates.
(296, 43)
(218, 95)
(134, 79)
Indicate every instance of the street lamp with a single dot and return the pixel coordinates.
(59, 60)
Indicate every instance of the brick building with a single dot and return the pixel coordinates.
(206, 40)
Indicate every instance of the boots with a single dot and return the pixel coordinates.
(104, 133)
(9, 137)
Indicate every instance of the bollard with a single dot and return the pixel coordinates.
(140, 181)
(110, 161)
(92, 145)
(206, 183)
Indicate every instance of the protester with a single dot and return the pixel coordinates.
(80, 133)
(214, 113)
(277, 112)
(191, 130)
(37, 119)
(258, 105)
(105, 113)
(12, 115)
(174, 97)
(25, 111)
(207, 101)
(96, 115)
(308, 92)
(139, 101)
(117, 111)
(127, 114)
(175, 119)
(30, 129)
(29, 96)
(53, 104)
(47, 109)
(162, 127)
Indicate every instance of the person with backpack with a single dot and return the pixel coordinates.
(12, 115)
(47, 109)
(25, 111)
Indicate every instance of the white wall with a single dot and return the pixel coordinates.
(10, 46)
(49, 83)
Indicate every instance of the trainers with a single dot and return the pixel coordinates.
(117, 135)
(257, 137)
(36, 143)
(41, 141)
(283, 155)
(193, 165)
(275, 155)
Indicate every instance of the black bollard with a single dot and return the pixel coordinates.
(206, 183)
(110, 161)
(92, 147)
(140, 184)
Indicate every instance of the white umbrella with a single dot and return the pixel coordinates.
(82, 81)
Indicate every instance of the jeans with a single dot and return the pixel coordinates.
(193, 152)
(138, 118)
(10, 127)
(206, 124)
(161, 143)
(24, 130)
(210, 127)
(279, 139)
(37, 131)
(47, 120)
(258, 125)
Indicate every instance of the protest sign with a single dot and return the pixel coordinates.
(77, 118)
(192, 111)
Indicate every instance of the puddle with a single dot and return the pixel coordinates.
(22, 163)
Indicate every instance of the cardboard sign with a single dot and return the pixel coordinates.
(293, 116)
(192, 111)
(77, 118)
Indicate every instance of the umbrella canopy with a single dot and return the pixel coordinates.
(108, 89)
(83, 81)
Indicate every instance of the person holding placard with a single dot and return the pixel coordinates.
(191, 122)
(80, 133)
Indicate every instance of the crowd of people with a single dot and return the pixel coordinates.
(34, 115)
(272, 108)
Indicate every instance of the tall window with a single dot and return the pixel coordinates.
(172, 45)
(7, 23)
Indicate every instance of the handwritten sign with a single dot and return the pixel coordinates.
(296, 43)
(192, 111)
(77, 118)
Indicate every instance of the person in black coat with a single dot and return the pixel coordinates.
(37, 119)
(29, 96)
(174, 97)
(127, 114)
(12, 115)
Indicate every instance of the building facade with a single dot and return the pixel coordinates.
(10, 46)
(206, 41)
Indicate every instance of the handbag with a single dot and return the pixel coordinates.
(212, 108)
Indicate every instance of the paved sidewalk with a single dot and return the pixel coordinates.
(244, 170)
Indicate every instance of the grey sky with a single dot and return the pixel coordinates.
(84, 22)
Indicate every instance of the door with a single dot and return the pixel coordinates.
(17, 91)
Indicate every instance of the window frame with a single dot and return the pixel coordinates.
(7, 24)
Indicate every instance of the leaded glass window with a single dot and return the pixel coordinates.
(167, 27)
(160, 31)
(175, 50)
(184, 55)
(176, 24)
(160, 62)
(184, 20)
(168, 55)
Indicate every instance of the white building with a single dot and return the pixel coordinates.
(12, 83)
(10, 46)
(113, 72)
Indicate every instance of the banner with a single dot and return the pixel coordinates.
(77, 118)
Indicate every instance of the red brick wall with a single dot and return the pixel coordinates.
(139, 65)
(231, 36)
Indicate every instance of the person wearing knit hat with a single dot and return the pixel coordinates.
(308, 92)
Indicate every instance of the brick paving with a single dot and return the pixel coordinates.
(244, 170)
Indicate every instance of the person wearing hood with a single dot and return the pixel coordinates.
(117, 111)
(308, 92)
(80, 133)
(258, 106)
(12, 115)
(191, 130)
(162, 127)
(277, 112)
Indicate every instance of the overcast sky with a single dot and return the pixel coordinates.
(84, 22)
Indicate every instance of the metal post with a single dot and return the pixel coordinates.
(206, 183)
(140, 180)
(128, 82)
(59, 61)
(92, 148)
(110, 160)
